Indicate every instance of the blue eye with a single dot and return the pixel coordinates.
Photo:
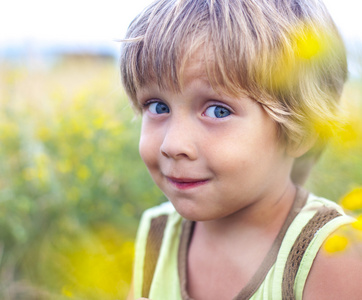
(158, 108)
(216, 111)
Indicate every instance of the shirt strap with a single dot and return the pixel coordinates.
(153, 246)
(320, 219)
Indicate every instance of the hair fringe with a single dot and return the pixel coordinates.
(286, 54)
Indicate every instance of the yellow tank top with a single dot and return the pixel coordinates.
(163, 238)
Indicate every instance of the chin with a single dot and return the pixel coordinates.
(188, 211)
(191, 213)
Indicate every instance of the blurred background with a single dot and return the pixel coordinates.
(72, 185)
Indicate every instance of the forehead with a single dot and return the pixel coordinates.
(193, 73)
(199, 67)
(203, 66)
(191, 67)
(195, 67)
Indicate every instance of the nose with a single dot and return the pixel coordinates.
(180, 141)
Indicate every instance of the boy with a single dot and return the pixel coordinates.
(231, 93)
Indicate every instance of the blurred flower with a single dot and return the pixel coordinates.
(309, 43)
(353, 200)
(43, 133)
(64, 165)
(336, 243)
(58, 130)
(305, 43)
(8, 130)
(98, 265)
(99, 121)
(83, 172)
(66, 292)
(358, 223)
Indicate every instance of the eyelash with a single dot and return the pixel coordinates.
(147, 104)
(227, 110)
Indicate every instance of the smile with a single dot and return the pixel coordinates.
(186, 183)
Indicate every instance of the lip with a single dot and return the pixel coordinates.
(186, 183)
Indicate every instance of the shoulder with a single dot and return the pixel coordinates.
(150, 236)
(156, 217)
(336, 272)
(321, 273)
(165, 208)
(159, 213)
(316, 202)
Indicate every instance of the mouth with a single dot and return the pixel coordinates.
(186, 183)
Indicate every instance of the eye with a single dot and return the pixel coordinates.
(217, 111)
(158, 108)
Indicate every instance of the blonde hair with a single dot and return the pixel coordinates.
(285, 54)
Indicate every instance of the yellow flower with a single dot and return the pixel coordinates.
(99, 121)
(83, 173)
(66, 292)
(43, 133)
(101, 263)
(353, 200)
(306, 43)
(336, 243)
(358, 223)
(41, 160)
(9, 130)
(64, 166)
(309, 44)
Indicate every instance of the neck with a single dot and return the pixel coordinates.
(263, 218)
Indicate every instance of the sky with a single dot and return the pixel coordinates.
(103, 21)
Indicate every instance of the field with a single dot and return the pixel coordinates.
(72, 185)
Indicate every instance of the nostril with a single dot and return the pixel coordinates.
(164, 153)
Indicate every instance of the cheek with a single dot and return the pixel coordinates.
(144, 149)
(148, 148)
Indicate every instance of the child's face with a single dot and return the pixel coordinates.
(211, 155)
